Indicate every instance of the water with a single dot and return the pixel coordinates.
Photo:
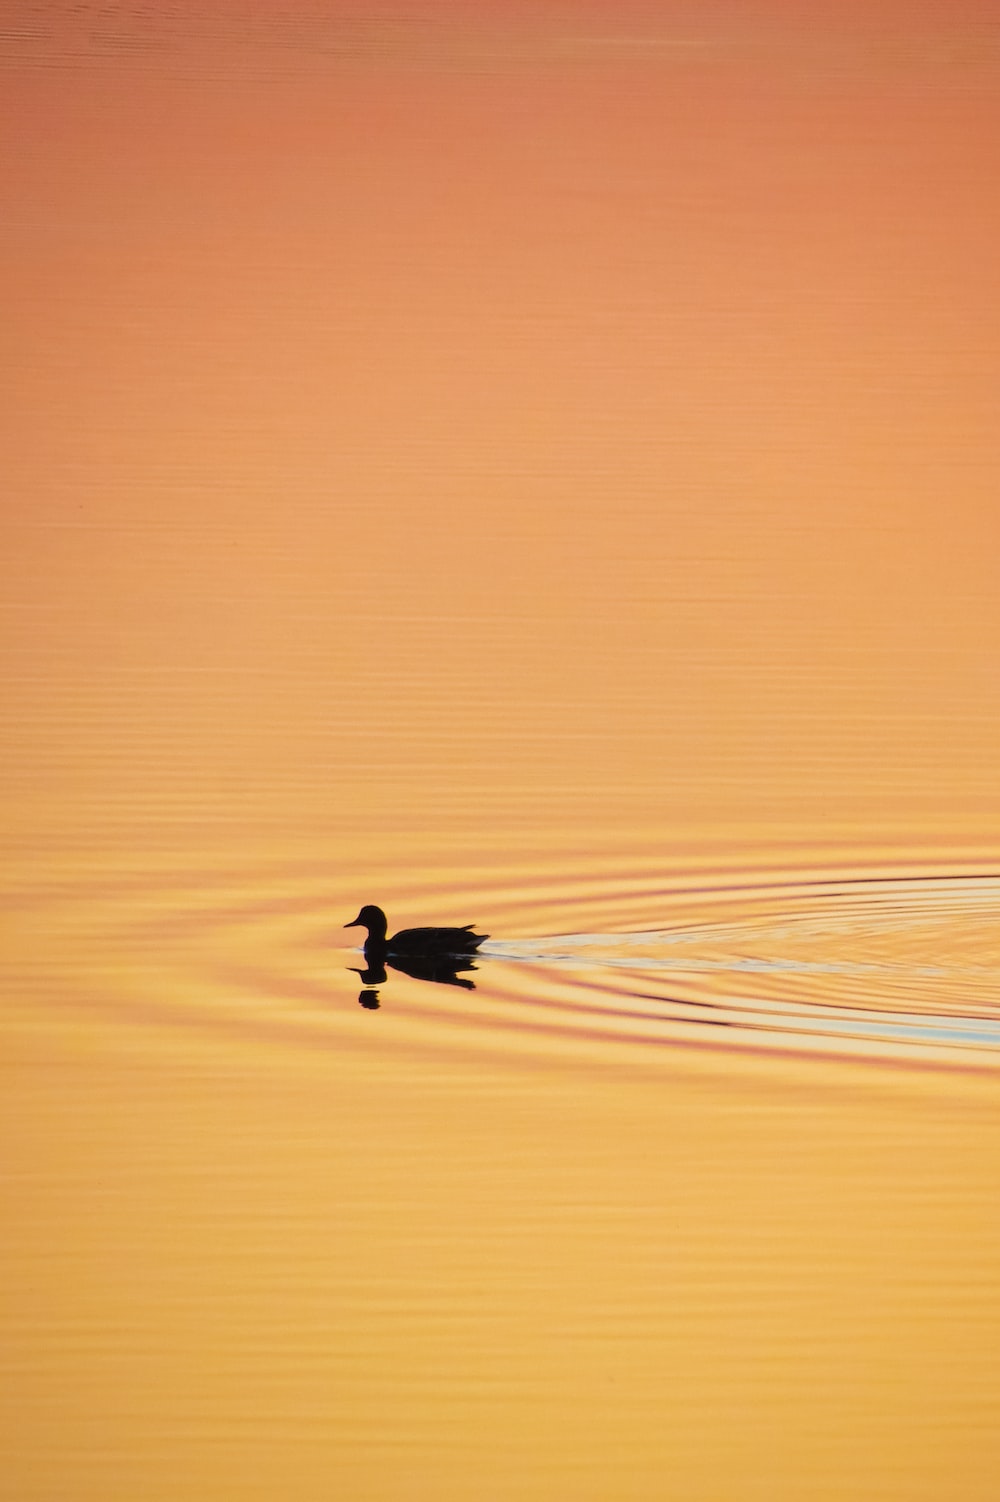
(644, 1188)
(536, 470)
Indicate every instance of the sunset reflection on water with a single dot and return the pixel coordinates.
(533, 466)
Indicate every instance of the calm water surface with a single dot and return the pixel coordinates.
(535, 468)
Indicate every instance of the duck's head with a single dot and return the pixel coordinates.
(372, 918)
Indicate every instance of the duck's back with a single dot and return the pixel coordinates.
(436, 940)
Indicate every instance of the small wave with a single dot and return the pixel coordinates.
(913, 961)
(638, 952)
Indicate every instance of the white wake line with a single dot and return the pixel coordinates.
(575, 956)
(799, 1015)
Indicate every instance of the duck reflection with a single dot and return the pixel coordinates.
(444, 970)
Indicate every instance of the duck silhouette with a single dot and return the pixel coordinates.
(434, 954)
(413, 943)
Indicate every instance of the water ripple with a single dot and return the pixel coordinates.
(909, 961)
(634, 952)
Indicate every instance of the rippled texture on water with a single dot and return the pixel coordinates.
(902, 962)
(741, 1162)
(534, 465)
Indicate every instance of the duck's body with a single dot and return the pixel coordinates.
(418, 943)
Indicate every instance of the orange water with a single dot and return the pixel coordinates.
(534, 465)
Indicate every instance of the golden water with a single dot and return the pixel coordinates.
(533, 465)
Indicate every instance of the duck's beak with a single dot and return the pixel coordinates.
(354, 923)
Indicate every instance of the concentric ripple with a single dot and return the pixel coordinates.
(886, 958)
(894, 961)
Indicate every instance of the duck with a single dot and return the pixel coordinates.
(417, 943)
